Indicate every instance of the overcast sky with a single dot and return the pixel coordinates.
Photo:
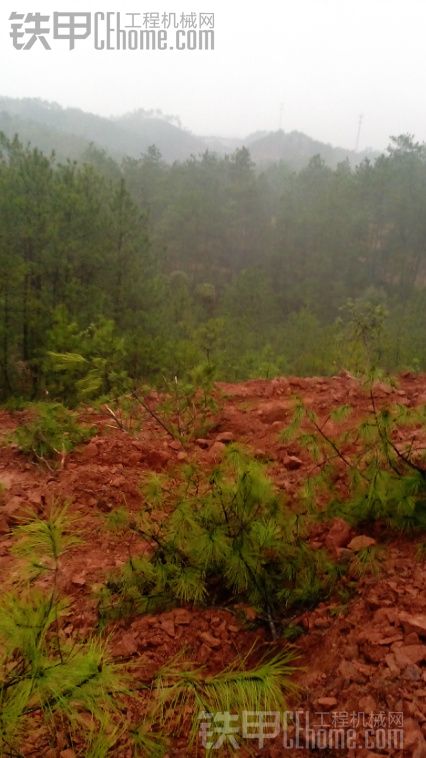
(311, 65)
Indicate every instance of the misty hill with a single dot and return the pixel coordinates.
(70, 131)
(45, 123)
(296, 149)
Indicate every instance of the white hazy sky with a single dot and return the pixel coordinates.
(325, 61)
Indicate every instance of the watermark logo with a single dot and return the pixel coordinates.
(114, 31)
(298, 730)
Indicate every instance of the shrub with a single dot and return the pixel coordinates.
(45, 680)
(51, 435)
(92, 367)
(381, 477)
(227, 539)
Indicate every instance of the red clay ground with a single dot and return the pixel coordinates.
(366, 656)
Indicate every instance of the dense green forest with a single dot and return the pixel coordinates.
(144, 269)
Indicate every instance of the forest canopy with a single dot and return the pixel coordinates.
(155, 269)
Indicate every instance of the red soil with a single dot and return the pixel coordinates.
(366, 656)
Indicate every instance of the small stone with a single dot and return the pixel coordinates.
(292, 462)
(326, 702)
(412, 672)
(385, 389)
(349, 673)
(182, 617)
(182, 456)
(338, 534)
(414, 622)
(374, 653)
(204, 444)
(249, 612)
(392, 665)
(390, 640)
(216, 451)
(79, 581)
(169, 627)
(407, 654)
(118, 481)
(209, 640)
(126, 646)
(273, 411)
(361, 542)
(225, 437)
(412, 639)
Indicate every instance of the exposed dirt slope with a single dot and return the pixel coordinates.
(367, 655)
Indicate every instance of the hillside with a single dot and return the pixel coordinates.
(296, 149)
(361, 650)
(69, 131)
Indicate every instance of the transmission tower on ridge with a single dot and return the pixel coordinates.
(358, 134)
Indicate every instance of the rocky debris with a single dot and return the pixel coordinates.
(274, 411)
(407, 654)
(415, 623)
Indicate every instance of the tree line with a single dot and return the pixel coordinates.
(160, 268)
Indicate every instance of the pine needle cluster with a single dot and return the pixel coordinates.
(226, 539)
(373, 471)
(51, 434)
(51, 685)
(45, 679)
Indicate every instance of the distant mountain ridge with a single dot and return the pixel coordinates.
(71, 131)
